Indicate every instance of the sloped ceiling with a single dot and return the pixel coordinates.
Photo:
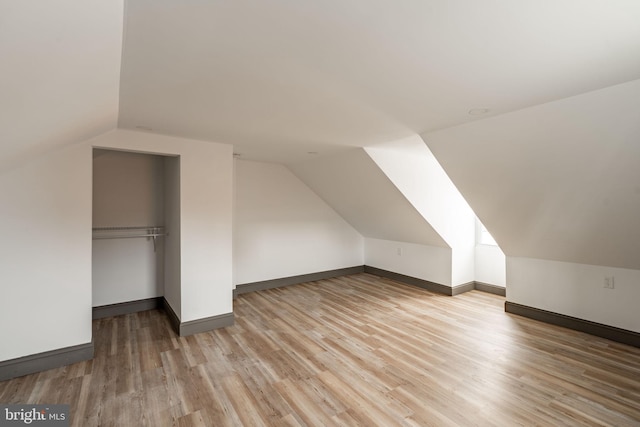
(557, 181)
(281, 78)
(60, 73)
(355, 187)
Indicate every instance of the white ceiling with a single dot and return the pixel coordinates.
(558, 181)
(281, 78)
(59, 74)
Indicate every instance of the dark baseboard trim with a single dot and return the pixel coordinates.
(128, 307)
(598, 329)
(408, 280)
(207, 324)
(43, 361)
(66, 356)
(294, 280)
(436, 287)
(461, 289)
(173, 317)
(491, 289)
(421, 283)
(192, 327)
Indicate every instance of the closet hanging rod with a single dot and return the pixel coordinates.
(129, 236)
(149, 232)
(148, 227)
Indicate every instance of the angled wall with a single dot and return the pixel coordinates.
(283, 229)
(558, 183)
(416, 173)
(397, 236)
(60, 85)
(363, 195)
(60, 74)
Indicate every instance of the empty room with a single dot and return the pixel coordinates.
(279, 213)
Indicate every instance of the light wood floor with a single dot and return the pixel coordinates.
(356, 350)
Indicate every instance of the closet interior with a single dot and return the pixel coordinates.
(135, 231)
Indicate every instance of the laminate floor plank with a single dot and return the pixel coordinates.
(356, 350)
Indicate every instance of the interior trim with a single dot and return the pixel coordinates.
(461, 289)
(197, 326)
(409, 280)
(491, 289)
(207, 324)
(598, 329)
(173, 317)
(127, 307)
(294, 280)
(43, 361)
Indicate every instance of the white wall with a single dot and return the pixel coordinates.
(555, 181)
(425, 262)
(352, 184)
(126, 270)
(413, 169)
(558, 181)
(128, 190)
(463, 264)
(206, 191)
(576, 290)
(45, 250)
(172, 259)
(490, 265)
(284, 229)
(45, 253)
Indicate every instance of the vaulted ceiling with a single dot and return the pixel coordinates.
(59, 74)
(281, 78)
(556, 84)
(365, 197)
(556, 181)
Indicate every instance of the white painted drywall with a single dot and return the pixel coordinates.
(286, 77)
(463, 260)
(425, 262)
(352, 184)
(172, 256)
(284, 229)
(557, 181)
(416, 173)
(490, 265)
(60, 74)
(128, 190)
(576, 290)
(206, 187)
(45, 253)
(126, 270)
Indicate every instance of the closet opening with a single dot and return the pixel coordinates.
(136, 232)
